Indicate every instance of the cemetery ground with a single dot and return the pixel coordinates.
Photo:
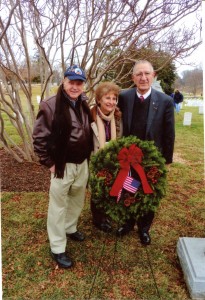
(106, 267)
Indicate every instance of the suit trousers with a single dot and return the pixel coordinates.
(143, 223)
(66, 201)
(98, 214)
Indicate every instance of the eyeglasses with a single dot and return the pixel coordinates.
(146, 74)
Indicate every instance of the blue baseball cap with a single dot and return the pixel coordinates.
(75, 73)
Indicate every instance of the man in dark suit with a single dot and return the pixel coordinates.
(149, 115)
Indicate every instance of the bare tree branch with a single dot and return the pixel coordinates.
(98, 35)
(9, 20)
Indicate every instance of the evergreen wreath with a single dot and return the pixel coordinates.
(105, 171)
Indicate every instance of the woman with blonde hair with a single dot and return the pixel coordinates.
(106, 126)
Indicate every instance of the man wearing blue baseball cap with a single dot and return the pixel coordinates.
(62, 140)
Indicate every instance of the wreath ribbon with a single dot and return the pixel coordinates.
(127, 158)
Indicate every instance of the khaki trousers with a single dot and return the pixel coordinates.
(66, 201)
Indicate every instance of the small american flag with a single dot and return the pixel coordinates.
(130, 184)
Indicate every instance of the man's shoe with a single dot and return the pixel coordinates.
(104, 226)
(145, 238)
(125, 229)
(62, 259)
(76, 236)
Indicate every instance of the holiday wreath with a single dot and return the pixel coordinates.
(127, 178)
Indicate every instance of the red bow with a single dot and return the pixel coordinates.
(130, 157)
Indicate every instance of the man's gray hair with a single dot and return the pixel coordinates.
(143, 61)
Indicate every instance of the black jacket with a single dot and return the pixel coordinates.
(160, 120)
(178, 97)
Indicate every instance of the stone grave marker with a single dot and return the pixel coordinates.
(187, 118)
(157, 85)
(38, 98)
(201, 110)
(191, 253)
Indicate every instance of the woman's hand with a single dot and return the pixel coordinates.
(52, 169)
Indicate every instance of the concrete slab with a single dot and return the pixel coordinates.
(191, 253)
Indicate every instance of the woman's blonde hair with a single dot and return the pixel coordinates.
(105, 88)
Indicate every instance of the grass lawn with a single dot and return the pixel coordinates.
(107, 267)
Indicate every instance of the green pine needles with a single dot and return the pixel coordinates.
(104, 168)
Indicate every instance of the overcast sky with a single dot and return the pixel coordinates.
(196, 58)
(193, 61)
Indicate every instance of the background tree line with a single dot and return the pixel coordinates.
(38, 39)
(191, 82)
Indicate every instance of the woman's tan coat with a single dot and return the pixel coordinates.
(118, 123)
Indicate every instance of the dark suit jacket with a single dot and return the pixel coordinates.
(160, 121)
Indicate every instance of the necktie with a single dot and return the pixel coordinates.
(141, 98)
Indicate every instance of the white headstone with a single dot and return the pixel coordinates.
(191, 253)
(38, 99)
(187, 118)
(20, 117)
(193, 102)
(201, 110)
(157, 85)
